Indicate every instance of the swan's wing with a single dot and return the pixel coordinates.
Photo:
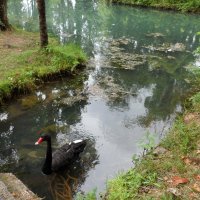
(61, 157)
(67, 154)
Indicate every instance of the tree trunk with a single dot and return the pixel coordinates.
(4, 24)
(42, 22)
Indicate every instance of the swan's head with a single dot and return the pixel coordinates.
(42, 139)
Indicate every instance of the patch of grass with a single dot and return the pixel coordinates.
(25, 65)
(89, 196)
(125, 186)
(195, 100)
(182, 137)
(167, 197)
(129, 185)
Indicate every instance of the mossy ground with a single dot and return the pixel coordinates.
(23, 64)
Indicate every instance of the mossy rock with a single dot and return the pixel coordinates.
(29, 102)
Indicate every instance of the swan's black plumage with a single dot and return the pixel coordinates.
(62, 156)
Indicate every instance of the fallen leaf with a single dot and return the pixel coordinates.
(196, 161)
(165, 178)
(196, 187)
(187, 161)
(197, 177)
(198, 151)
(174, 191)
(144, 189)
(176, 180)
(14, 194)
(193, 195)
(191, 160)
(190, 117)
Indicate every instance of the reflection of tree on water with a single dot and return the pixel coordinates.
(87, 23)
(164, 95)
(156, 79)
(60, 187)
(138, 25)
(164, 102)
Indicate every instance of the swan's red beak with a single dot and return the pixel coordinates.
(40, 140)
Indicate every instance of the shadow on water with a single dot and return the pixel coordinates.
(135, 82)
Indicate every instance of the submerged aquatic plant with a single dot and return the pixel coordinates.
(62, 188)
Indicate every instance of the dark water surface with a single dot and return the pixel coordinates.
(134, 85)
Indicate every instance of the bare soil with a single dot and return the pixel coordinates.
(13, 43)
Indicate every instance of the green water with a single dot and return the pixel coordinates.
(134, 83)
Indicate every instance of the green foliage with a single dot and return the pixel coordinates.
(4, 90)
(126, 185)
(148, 142)
(89, 196)
(174, 162)
(195, 100)
(186, 6)
(192, 5)
(167, 196)
(182, 137)
(70, 55)
(198, 50)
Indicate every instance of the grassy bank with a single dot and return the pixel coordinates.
(24, 65)
(185, 6)
(171, 171)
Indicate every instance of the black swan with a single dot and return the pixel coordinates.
(62, 156)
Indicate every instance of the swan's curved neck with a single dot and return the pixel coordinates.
(47, 167)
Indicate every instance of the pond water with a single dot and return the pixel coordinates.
(128, 95)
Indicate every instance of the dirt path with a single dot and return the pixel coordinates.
(13, 43)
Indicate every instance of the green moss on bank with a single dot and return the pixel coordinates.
(185, 6)
(23, 64)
